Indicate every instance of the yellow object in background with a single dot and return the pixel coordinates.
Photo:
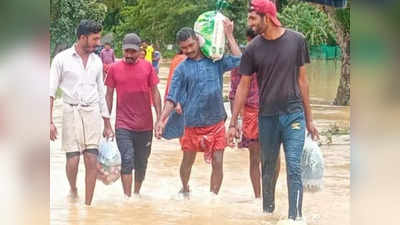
(149, 53)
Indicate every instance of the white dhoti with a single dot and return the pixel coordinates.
(81, 127)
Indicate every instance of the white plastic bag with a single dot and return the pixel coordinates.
(312, 165)
(109, 162)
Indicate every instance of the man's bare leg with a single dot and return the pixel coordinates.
(72, 171)
(90, 160)
(255, 161)
(217, 171)
(126, 180)
(186, 167)
(138, 185)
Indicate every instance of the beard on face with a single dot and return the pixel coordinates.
(259, 29)
(129, 59)
(87, 48)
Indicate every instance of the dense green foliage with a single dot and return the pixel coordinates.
(65, 15)
(310, 21)
(158, 20)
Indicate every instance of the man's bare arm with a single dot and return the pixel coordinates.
(304, 89)
(240, 98)
(228, 28)
(110, 98)
(156, 100)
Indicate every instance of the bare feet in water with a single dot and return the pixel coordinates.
(73, 194)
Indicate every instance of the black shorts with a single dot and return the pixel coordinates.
(91, 151)
(135, 149)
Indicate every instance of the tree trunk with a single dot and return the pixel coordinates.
(343, 91)
(343, 39)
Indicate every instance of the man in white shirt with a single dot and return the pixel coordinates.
(78, 72)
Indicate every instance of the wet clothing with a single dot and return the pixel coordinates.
(289, 130)
(250, 122)
(174, 63)
(197, 85)
(81, 128)
(277, 63)
(252, 97)
(250, 113)
(74, 154)
(83, 97)
(204, 139)
(133, 83)
(135, 149)
(79, 85)
(281, 117)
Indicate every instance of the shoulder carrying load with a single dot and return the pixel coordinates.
(210, 28)
(108, 162)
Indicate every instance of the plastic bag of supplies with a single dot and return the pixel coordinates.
(312, 165)
(108, 162)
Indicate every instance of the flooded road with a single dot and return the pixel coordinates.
(159, 204)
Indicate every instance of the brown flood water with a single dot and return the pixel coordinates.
(235, 203)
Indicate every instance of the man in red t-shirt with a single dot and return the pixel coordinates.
(133, 78)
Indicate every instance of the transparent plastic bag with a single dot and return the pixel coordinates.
(108, 162)
(312, 165)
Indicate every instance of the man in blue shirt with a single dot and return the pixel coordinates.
(156, 60)
(197, 85)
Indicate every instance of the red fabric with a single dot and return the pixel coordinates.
(107, 56)
(133, 83)
(253, 95)
(174, 63)
(106, 67)
(204, 139)
(250, 122)
(266, 7)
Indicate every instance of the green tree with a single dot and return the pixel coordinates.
(341, 20)
(65, 15)
(113, 16)
(158, 20)
(309, 20)
(237, 12)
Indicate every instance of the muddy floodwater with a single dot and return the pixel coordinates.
(159, 203)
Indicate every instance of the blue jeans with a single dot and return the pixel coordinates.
(288, 129)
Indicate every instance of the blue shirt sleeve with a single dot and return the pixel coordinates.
(229, 62)
(177, 90)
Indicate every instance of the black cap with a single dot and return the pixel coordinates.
(131, 41)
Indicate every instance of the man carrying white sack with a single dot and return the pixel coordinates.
(198, 81)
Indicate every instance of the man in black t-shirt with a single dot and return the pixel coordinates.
(278, 56)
